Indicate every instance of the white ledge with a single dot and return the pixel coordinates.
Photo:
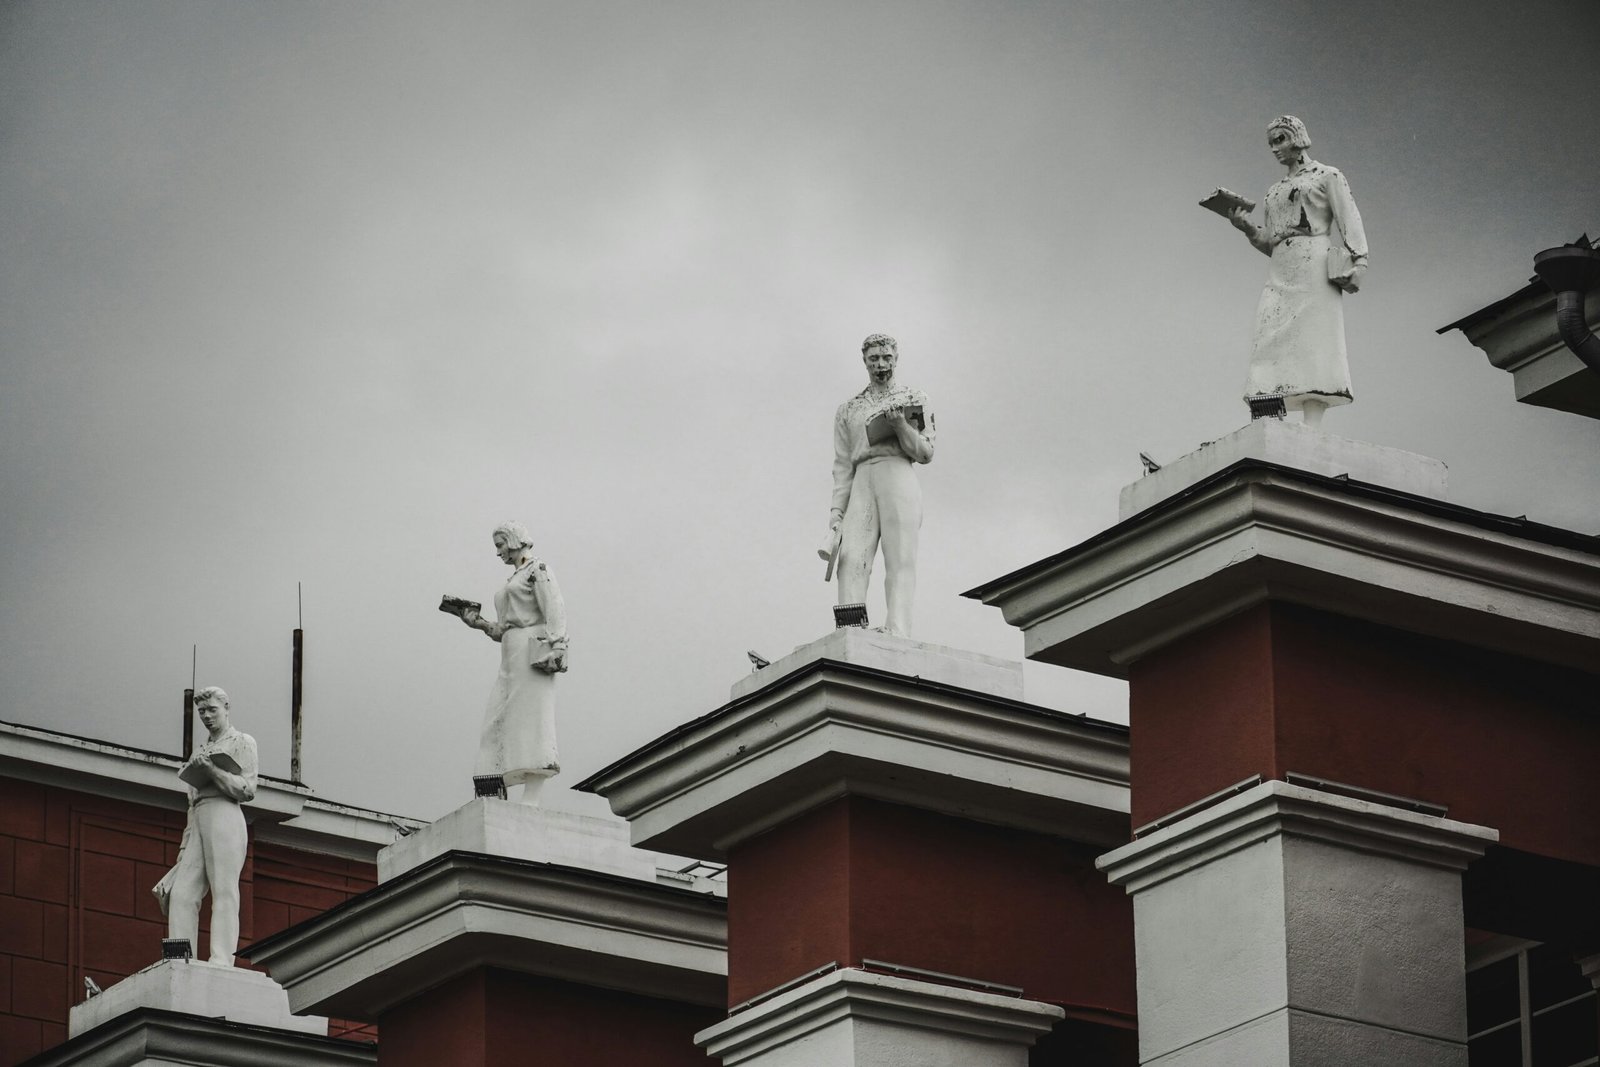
(875, 1012)
(462, 911)
(1273, 808)
(1258, 532)
(828, 729)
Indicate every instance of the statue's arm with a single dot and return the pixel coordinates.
(843, 470)
(917, 444)
(1343, 207)
(478, 622)
(1256, 235)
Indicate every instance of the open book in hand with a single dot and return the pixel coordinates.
(454, 605)
(195, 775)
(879, 430)
(1223, 201)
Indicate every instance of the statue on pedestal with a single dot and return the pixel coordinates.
(1297, 360)
(221, 775)
(518, 741)
(877, 435)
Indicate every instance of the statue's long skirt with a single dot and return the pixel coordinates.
(1298, 352)
(518, 740)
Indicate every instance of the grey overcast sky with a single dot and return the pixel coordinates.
(321, 291)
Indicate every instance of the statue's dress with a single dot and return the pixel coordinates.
(518, 741)
(1299, 351)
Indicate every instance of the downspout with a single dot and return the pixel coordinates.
(1570, 271)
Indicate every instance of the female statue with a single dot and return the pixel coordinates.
(518, 742)
(1298, 357)
(221, 775)
(877, 435)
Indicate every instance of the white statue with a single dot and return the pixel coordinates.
(877, 435)
(518, 742)
(221, 775)
(1298, 357)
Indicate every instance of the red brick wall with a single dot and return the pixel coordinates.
(919, 889)
(491, 1016)
(75, 901)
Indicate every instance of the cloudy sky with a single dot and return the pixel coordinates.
(319, 292)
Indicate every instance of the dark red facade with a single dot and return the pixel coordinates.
(75, 878)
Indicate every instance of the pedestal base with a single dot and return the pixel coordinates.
(503, 828)
(196, 988)
(1292, 445)
(898, 655)
(855, 1018)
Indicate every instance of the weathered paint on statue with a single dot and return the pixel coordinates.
(877, 435)
(1298, 354)
(518, 740)
(221, 775)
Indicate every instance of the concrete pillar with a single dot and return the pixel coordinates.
(1287, 925)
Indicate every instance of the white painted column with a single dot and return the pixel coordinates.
(1288, 925)
(856, 1018)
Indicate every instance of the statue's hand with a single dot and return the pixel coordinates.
(896, 415)
(1240, 220)
(471, 618)
(1351, 283)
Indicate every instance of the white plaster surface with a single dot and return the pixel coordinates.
(520, 831)
(196, 988)
(1344, 914)
(854, 1018)
(867, 648)
(1292, 445)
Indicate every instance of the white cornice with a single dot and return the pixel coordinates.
(1277, 808)
(851, 996)
(829, 730)
(466, 910)
(282, 812)
(149, 1036)
(1257, 532)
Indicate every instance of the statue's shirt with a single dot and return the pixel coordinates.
(241, 749)
(850, 445)
(530, 597)
(1309, 202)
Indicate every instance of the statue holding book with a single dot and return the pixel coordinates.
(517, 744)
(221, 775)
(1297, 359)
(878, 435)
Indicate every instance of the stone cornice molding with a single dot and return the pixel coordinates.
(153, 1035)
(852, 994)
(833, 729)
(1278, 809)
(1257, 531)
(467, 910)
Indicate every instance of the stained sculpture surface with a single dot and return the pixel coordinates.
(518, 740)
(1297, 358)
(221, 775)
(878, 435)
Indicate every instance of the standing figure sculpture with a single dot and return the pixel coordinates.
(518, 741)
(1297, 360)
(877, 435)
(221, 775)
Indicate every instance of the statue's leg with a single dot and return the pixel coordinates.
(900, 501)
(188, 890)
(858, 541)
(223, 830)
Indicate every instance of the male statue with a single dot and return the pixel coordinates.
(877, 435)
(221, 775)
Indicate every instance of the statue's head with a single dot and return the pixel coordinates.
(1287, 132)
(511, 538)
(880, 353)
(211, 703)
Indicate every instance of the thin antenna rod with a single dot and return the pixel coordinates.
(188, 704)
(296, 672)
